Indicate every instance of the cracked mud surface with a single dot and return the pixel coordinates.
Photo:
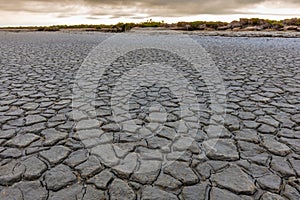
(257, 151)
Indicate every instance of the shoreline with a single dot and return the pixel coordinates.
(227, 33)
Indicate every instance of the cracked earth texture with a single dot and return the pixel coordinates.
(255, 154)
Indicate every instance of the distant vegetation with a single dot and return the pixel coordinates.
(253, 24)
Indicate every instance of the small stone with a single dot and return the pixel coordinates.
(120, 190)
(35, 149)
(296, 118)
(150, 154)
(11, 173)
(10, 153)
(247, 135)
(260, 159)
(234, 179)
(90, 167)
(250, 124)
(126, 166)
(59, 177)
(168, 133)
(32, 190)
(52, 136)
(56, 154)
(295, 165)
(247, 116)
(280, 165)
(195, 148)
(77, 115)
(34, 119)
(287, 133)
(249, 149)
(87, 124)
(2, 141)
(122, 149)
(291, 193)
(35, 128)
(232, 122)
(75, 191)
(182, 144)
(221, 149)
(275, 147)
(135, 185)
(15, 112)
(154, 193)
(74, 144)
(218, 165)
(21, 141)
(214, 131)
(147, 171)
(255, 170)
(217, 194)
(204, 169)
(179, 156)
(127, 137)
(267, 129)
(271, 196)
(167, 182)
(102, 179)
(56, 120)
(4, 119)
(19, 122)
(9, 193)
(94, 194)
(7, 134)
(158, 117)
(268, 120)
(111, 127)
(270, 182)
(34, 168)
(157, 143)
(129, 127)
(292, 143)
(194, 192)
(89, 134)
(259, 98)
(67, 126)
(106, 154)
(144, 132)
(30, 106)
(76, 157)
(182, 172)
(4, 108)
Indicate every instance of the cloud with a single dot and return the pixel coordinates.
(94, 9)
(165, 8)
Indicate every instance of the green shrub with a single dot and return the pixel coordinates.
(254, 21)
(215, 25)
(277, 25)
(150, 24)
(196, 24)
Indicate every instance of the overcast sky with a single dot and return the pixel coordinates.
(48, 12)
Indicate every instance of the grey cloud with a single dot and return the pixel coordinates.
(118, 8)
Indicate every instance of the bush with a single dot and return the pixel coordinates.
(215, 25)
(292, 22)
(254, 21)
(196, 24)
(150, 24)
(50, 28)
(277, 25)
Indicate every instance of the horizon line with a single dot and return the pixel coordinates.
(161, 21)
